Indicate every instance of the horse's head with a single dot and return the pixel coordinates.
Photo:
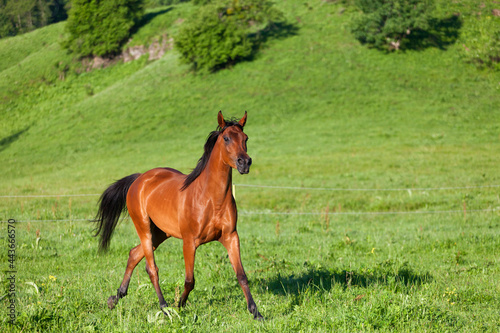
(233, 143)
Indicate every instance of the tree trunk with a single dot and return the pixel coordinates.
(30, 21)
(43, 17)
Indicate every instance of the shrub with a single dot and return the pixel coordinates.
(223, 32)
(101, 27)
(480, 39)
(384, 24)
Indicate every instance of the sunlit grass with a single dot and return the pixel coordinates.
(380, 272)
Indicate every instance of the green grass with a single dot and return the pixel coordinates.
(408, 273)
(323, 111)
(28, 61)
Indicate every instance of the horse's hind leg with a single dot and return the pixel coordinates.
(151, 236)
(135, 256)
(152, 269)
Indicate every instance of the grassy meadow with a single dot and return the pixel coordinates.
(327, 117)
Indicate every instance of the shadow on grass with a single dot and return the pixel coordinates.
(7, 141)
(276, 30)
(441, 34)
(323, 279)
(38, 319)
(148, 17)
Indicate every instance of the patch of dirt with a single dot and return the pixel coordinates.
(156, 50)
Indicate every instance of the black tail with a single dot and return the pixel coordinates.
(111, 204)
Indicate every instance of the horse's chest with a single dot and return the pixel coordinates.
(211, 228)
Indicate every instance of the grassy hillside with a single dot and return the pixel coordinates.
(323, 111)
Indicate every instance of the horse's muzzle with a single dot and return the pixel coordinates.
(243, 164)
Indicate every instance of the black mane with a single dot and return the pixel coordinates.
(209, 146)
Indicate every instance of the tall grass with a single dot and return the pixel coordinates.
(410, 273)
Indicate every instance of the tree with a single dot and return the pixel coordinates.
(223, 32)
(101, 27)
(6, 26)
(384, 24)
(20, 16)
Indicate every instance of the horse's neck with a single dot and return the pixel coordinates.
(216, 178)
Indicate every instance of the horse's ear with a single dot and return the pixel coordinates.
(243, 120)
(220, 119)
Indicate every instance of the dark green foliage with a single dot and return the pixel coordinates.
(6, 27)
(159, 3)
(208, 41)
(19, 16)
(384, 24)
(224, 32)
(58, 10)
(480, 37)
(100, 28)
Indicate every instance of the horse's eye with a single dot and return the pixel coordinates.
(226, 139)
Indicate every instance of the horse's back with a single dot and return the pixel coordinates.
(157, 179)
(158, 176)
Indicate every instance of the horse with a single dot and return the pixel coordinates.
(197, 208)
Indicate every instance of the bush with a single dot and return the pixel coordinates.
(101, 27)
(384, 24)
(480, 39)
(223, 32)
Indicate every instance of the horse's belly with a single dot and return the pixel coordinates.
(167, 223)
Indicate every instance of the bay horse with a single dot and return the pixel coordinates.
(197, 208)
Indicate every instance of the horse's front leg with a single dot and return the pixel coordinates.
(232, 243)
(189, 250)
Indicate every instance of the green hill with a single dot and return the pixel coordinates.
(313, 96)
(320, 106)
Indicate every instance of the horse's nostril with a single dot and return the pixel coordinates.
(240, 161)
(249, 161)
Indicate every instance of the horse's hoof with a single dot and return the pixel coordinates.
(165, 309)
(258, 316)
(112, 300)
(182, 304)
